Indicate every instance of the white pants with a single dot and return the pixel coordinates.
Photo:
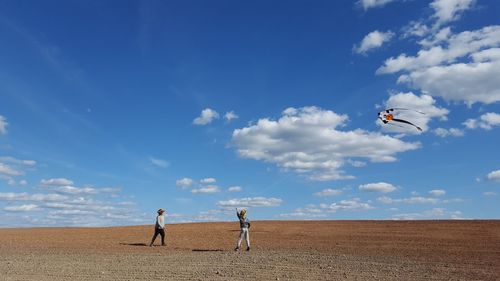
(244, 233)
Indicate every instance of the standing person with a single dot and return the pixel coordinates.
(244, 227)
(159, 228)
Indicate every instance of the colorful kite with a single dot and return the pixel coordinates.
(387, 116)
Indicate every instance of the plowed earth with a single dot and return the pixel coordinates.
(292, 250)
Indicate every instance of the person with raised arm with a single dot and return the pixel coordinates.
(244, 227)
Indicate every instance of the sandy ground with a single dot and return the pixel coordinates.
(326, 250)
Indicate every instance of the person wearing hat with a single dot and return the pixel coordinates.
(159, 228)
(244, 227)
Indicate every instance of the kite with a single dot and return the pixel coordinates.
(388, 116)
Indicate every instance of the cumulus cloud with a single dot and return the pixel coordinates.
(15, 161)
(494, 176)
(411, 200)
(229, 116)
(22, 208)
(451, 132)
(378, 187)
(373, 40)
(235, 189)
(311, 212)
(450, 10)
(208, 180)
(37, 197)
(9, 171)
(435, 213)
(437, 192)
(323, 210)
(206, 117)
(3, 125)
(457, 67)
(422, 111)
(251, 202)
(368, 4)
(184, 183)
(486, 121)
(308, 141)
(206, 189)
(328, 192)
(56, 182)
(354, 204)
(159, 162)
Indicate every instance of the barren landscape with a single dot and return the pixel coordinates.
(281, 250)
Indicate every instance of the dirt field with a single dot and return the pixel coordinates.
(327, 250)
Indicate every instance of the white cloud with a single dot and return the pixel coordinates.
(206, 189)
(452, 132)
(56, 182)
(457, 67)
(184, 183)
(208, 180)
(437, 192)
(367, 4)
(415, 28)
(494, 176)
(378, 187)
(235, 189)
(312, 212)
(472, 82)
(22, 208)
(450, 10)
(323, 210)
(9, 171)
(37, 197)
(12, 160)
(373, 40)
(159, 162)
(251, 202)
(435, 213)
(68, 189)
(415, 104)
(3, 125)
(206, 117)
(306, 140)
(229, 116)
(328, 192)
(490, 193)
(356, 163)
(354, 204)
(486, 121)
(411, 200)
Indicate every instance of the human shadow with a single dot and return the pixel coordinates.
(208, 250)
(134, 244)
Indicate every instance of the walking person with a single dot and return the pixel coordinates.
(159, 228)
(244, 227)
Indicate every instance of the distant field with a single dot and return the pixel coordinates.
(281, 250)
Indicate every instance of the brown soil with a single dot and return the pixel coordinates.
(293, 250)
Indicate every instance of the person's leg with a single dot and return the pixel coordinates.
(162, 233)
(247, 238)
(154, 237)
(239, 240)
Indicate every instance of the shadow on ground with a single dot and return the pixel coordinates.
(208, 250)
(134, 244)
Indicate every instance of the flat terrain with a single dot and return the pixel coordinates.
(298, 250)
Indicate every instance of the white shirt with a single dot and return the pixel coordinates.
(160, 221)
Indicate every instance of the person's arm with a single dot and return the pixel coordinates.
(237, 213)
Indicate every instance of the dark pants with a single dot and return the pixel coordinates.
(160, 231)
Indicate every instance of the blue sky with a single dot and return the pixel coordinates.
(111, 110)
